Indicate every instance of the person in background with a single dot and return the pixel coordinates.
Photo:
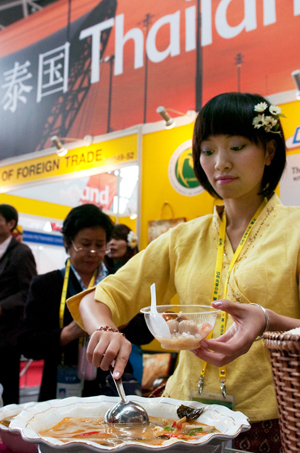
(245, 256)
(48, 331)
(17, 267)
(121, 247)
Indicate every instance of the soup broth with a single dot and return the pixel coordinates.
(6, 421)
(158, 431)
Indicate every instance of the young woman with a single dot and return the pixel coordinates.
(251, 241)
(121, 247)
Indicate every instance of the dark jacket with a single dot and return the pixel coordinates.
(40, 336)
(17, 267)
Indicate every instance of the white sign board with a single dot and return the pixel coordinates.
(290, 181)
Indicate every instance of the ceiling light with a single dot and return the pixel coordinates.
(61, 150)
(169, 121)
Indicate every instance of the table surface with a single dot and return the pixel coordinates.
(4, 449)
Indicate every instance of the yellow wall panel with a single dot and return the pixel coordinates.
(35, 207)
(131, 223)
(156, 188)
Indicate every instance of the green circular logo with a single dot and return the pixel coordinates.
(181, 171)
(184, 170)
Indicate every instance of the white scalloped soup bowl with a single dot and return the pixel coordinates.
(12, 437)
(45, 415)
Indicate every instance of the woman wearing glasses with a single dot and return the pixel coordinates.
(49, 331)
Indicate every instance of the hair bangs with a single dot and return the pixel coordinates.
(227, 117)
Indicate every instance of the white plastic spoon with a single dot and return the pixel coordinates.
(159, 325)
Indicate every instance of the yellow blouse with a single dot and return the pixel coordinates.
(182, 261)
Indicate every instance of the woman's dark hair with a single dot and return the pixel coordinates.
(121, 231)
(85, 216)
(9, 213)
(232, 114)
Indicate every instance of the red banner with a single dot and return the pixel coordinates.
(100, 190)
(118, 60)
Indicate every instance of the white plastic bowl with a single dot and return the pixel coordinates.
(45, 415)
(187, 324)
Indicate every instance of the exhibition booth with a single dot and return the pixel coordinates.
(92, 78)
(98, 101)
(142, 176)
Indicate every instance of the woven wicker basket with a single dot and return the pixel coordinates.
(285, 359)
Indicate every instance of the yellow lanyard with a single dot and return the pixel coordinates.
(64, 296)
(217, 281)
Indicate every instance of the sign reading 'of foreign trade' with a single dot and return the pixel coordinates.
(119, 150)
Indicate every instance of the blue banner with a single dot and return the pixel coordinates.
(42, 238)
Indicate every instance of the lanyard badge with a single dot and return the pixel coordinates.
(216, 286)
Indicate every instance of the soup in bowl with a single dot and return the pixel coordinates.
(77, 425)
(186, 325)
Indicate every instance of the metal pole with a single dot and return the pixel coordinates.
(111, 61)
(69, 21)
(198, 87)
(139, 204)
(118, 195)
(238, 62)
(146, 23)
(146, 88)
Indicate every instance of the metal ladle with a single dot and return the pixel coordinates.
(125, 412)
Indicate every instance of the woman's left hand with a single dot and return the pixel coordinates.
(249, 322)
(71, 332)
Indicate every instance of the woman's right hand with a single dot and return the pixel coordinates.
(104, 348)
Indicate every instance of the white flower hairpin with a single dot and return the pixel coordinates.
(270, 123)
(132, 239)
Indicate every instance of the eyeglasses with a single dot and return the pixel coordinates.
(100, 249)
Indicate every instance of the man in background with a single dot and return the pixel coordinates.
(17, 267)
